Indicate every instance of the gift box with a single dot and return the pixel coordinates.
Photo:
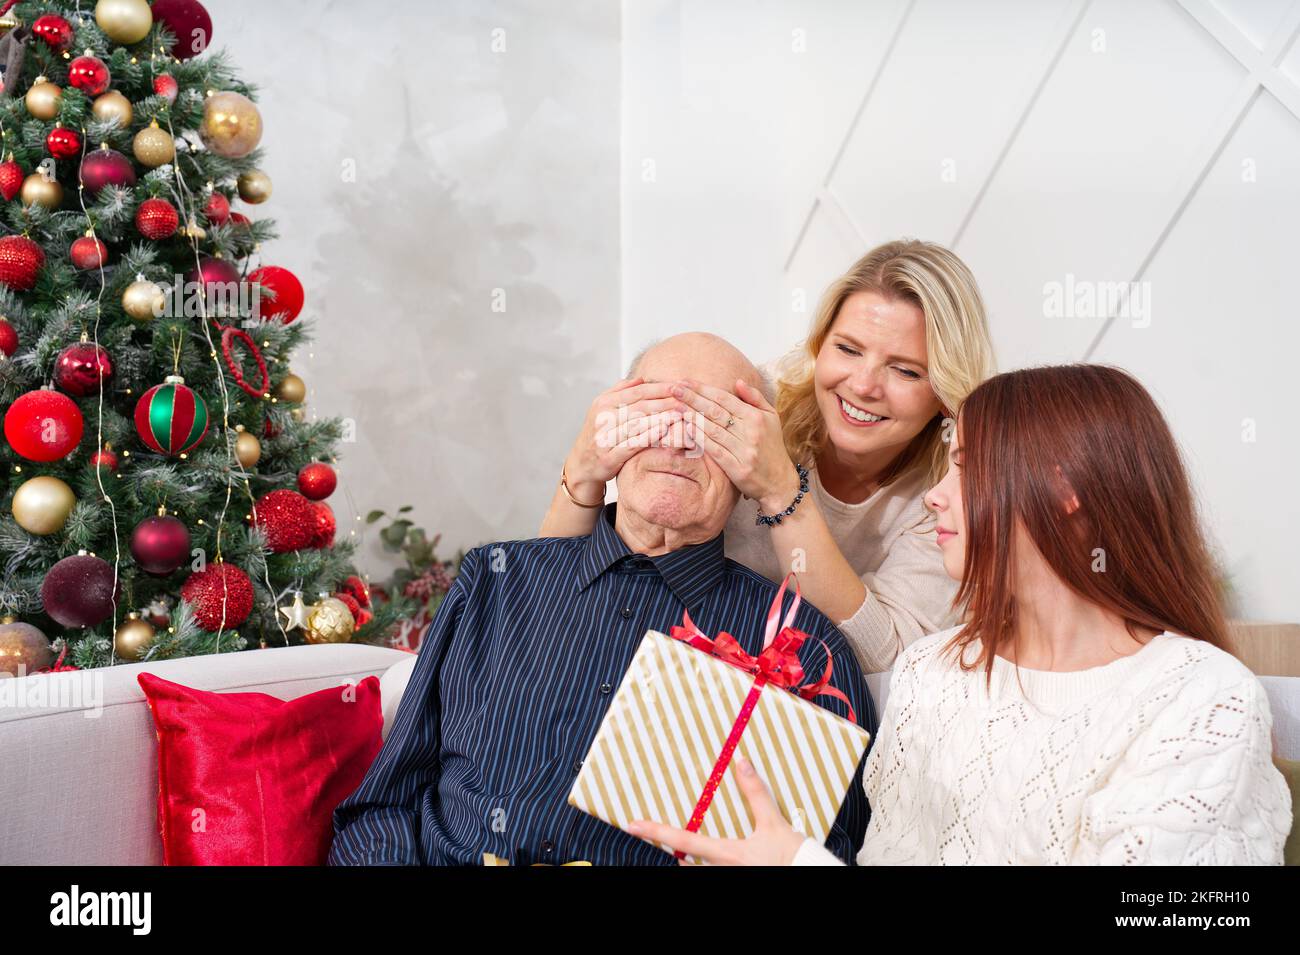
(687, 705)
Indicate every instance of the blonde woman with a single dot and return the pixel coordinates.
(834, 470)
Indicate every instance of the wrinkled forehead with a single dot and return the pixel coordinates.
(715, 370)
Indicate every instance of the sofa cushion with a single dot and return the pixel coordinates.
(249, 779)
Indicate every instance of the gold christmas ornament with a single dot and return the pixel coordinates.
(153, 146)
(232, 126)
(39, 191)
(23, 648)
(113, 105)
(297, 414)
(297, 613)
(248, 450)
(132, 638)
(124, 21)
(194, 231)
(292, 389)
(330, 622)
(254, 187)
(143, 300)
(43, 99)
(42, 504)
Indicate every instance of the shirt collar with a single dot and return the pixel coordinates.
(690, 572)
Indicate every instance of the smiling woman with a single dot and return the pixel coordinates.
(833, 470)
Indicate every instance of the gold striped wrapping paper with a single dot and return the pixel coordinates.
(666, 727)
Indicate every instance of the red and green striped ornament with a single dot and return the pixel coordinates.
(171, 418)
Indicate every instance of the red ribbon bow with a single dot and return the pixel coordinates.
(777, 663)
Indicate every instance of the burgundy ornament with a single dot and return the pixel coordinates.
(88, 253)
(189, 22)
(106, 167)
(89, 74)
(212, 272)
(160, 544)
(79, 591)
(56, 32)
(82, 367)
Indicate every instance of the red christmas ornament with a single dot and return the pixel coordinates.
(360, 615)
(11, 179)
(8, 338)
(228, 336)
(63, 143)
(55, 31)
(269, 430)
(104, 458)
(355, 586)
(80, 591)
(317, 481)
(20, 260)
(288, 295)
(239, 219)
(324, 529)
(217, 208)
(221, 596)
(43, 425)
(106, 167)
(160, 544)
(89, 74)
(171, 418)
(288, 519)
(186, 20)
(88, 253)
(157, 219)
(165, 85)
(82, 367)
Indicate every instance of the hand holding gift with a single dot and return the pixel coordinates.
(773, 841)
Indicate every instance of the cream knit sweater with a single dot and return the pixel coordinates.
(1160, 757)
(888, 540)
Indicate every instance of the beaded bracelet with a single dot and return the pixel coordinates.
(803, 489)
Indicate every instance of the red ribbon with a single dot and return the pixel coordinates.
(777, 663)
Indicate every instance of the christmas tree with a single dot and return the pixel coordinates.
(164, 490)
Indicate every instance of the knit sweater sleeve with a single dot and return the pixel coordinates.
(1196, 785)
(908, 596)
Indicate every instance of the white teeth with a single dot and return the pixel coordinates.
(857, 415)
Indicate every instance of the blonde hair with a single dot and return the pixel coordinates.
(958, 348)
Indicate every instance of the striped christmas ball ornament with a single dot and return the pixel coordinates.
(171, 418)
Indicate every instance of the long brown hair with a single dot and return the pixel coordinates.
(1134, 546)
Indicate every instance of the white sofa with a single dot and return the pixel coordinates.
(82, 789)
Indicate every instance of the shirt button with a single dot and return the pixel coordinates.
(627, 612)
(606, 688)
(548, 846)
(577, 766)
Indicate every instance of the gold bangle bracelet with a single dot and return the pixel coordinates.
(564, 486)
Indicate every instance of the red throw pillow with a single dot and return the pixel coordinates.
(247, 779)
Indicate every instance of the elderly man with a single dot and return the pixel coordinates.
(519, 666)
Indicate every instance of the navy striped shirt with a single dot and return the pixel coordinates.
(512, 680)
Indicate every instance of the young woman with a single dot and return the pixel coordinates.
(1089, 711)
(897, 342)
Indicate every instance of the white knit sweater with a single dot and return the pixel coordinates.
(1160, 757)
